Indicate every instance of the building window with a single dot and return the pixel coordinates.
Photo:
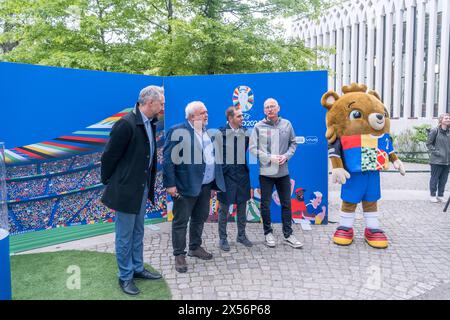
(448, 82)
(334, 58)
(394, 35)
(349, 61)
(342, 31)
(414, 75)
(375, 62)
(383, 58)
(425, 57)
(437, 65)
(358, 41)
(365, 51)
(448, 88)
(402, 104)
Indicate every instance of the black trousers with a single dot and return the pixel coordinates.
(439, 176)
(241, 220)
(283, 185)
(195, 209)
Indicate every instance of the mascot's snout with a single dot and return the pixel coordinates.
(377, 121)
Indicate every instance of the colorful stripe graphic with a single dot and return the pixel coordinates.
(89, 139)
(63, 146)
(94, 133)
(11, 157)
(30, 153)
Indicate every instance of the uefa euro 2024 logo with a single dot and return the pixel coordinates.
(243, 98)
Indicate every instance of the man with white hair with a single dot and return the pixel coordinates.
(273, 142)
(128, 169)
(190, 172)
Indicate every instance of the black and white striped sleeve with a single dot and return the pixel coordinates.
(335, 149)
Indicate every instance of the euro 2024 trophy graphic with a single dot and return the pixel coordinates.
(5, 272)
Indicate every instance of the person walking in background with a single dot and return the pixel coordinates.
(233, 141)
(128, 169)
(190, 172)
(273, 143)
(438, 144)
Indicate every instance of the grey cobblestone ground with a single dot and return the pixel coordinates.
(416, 262)
(415, 266)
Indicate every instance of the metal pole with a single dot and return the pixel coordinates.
(446, 205)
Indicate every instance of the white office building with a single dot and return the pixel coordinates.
(400, 48)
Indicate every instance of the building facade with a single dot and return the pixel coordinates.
(400, 48)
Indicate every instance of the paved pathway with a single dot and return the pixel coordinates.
(415, 266)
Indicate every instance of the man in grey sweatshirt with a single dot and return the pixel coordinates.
(273, 143)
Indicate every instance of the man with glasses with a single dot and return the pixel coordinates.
(190, 172)
(273, 142)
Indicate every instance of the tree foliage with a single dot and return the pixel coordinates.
(160, 37)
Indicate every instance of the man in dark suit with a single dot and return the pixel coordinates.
(190, 172)
(234, 144)
(128, 169)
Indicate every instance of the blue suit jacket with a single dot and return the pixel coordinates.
(186, 169)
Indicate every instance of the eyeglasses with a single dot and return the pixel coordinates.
(270, 107)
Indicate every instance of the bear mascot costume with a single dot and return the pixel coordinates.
(359, 146)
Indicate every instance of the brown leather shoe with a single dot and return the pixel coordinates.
(200, 253)
(180, 263)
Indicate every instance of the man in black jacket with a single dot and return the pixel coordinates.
(128, 169)
(190, 172)
(234, 144)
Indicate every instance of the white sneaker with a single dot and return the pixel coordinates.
(440, 199)
(270, 240)
(293, 242)
(434, 200)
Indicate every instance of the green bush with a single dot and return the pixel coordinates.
(410, 144)
(421, 133)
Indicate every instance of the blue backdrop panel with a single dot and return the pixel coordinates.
(39, 103)
(299, 95)
(5, 274)
(55, 123)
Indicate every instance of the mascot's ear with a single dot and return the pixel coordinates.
(375, 94)
(329, 98)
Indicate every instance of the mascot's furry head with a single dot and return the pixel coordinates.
(355, 112)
